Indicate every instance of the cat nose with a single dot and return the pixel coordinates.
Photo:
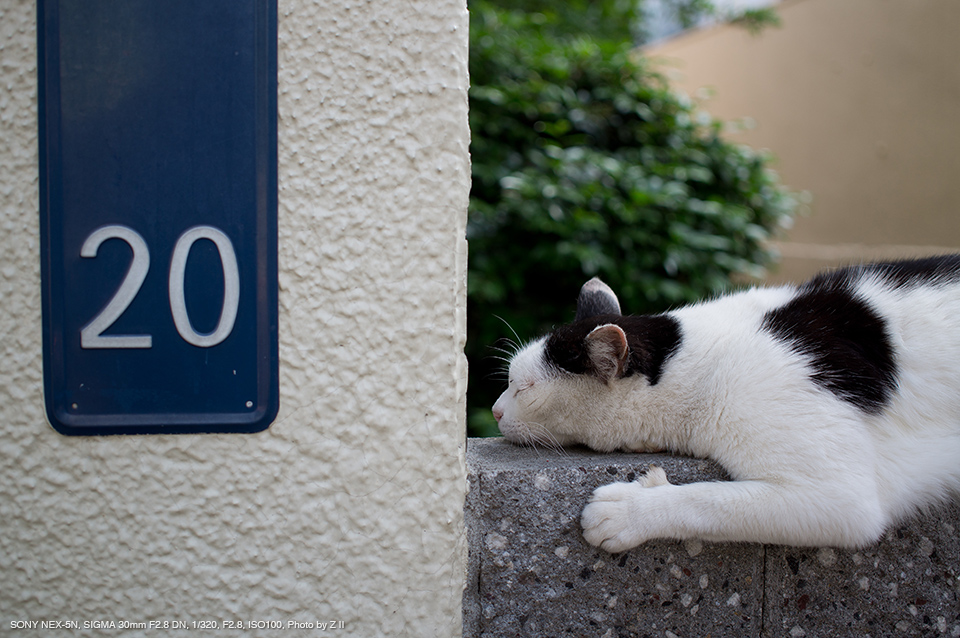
(497, 414)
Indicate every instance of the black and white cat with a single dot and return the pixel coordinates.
(834, 406)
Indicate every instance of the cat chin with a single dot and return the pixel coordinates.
(514, 434)
(534, 441)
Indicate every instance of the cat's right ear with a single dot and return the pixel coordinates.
(596, 298)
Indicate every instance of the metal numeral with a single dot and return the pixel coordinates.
(91, 335)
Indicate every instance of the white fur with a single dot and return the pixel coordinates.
(808, 468)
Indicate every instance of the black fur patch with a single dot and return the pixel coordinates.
(652, 340)
(929, 271)
(844, 338)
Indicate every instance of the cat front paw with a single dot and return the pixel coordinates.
(617, 518)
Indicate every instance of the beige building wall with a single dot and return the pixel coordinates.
(350, 506)
(860, 102)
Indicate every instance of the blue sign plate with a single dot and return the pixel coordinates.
(158, 215)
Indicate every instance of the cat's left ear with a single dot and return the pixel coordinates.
(608, 351)
(596, 298)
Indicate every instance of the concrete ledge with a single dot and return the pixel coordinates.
(532, 574)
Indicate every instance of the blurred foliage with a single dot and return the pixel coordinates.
(756, 20)
(586, 163)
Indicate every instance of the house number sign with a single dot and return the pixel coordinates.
(158, 215)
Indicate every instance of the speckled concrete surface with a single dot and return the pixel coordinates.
(350, 507)
(906, 585)
(532, 574)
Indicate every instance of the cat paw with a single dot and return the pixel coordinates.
(615, 519)
(609, 519)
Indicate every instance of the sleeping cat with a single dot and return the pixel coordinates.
(834, 406)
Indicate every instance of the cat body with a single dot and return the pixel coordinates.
(834, 406)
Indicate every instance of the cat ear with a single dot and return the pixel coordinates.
(608, 351)
(596, 298)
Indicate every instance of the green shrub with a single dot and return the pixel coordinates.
(586, 163)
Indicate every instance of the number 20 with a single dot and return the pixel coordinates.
(91, 335)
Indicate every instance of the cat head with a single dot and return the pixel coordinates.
(562, 386)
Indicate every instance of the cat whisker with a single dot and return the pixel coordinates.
(539, 435)
(496, 358)
(512, 349)
(498, 375)
(519, 340)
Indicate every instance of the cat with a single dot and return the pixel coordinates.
(834, 406)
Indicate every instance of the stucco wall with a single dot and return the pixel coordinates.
(349, 507)
(858, 101)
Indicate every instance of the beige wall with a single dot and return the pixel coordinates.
(350, 507)
(860, 102)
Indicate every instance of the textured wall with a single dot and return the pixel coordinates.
(349, 507)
